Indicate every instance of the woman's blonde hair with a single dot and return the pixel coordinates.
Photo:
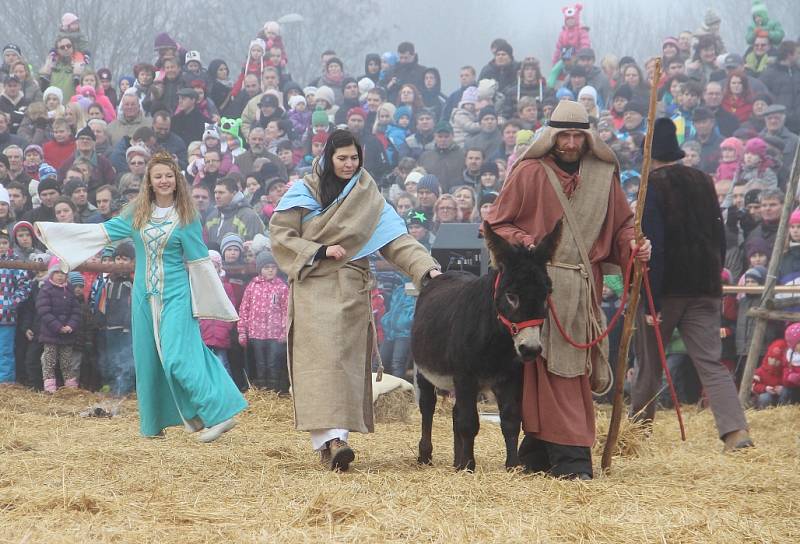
(474, 212)
(447, 197)
(141, 208)
(77, 111)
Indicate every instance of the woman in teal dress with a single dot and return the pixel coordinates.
(179, 381)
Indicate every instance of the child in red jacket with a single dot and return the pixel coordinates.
(791, 370)
(262, 323)
(572, 33)
(768, 378)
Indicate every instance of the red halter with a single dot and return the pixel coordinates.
(512, 327)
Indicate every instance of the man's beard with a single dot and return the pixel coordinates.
(572, 155)
(257, 149)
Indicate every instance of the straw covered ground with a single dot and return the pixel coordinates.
(66, 478)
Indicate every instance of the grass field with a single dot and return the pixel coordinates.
(65, 478)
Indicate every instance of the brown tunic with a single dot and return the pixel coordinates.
(554, 408)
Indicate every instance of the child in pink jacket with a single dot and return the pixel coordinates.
(572, 33)
(262, 324)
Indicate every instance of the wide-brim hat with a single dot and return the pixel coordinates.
(566, 116)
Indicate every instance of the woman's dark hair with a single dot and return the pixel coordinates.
(330, 185)
(75, 214)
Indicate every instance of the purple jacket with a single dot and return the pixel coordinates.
(57, 306)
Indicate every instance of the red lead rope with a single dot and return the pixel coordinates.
(613, 322)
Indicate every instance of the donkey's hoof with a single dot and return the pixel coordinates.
(425, 460)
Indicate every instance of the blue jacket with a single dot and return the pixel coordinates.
(397, 321)
(14, 289)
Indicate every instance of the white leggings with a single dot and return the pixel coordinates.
(320, 437)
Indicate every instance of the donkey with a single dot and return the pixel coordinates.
(471, 333)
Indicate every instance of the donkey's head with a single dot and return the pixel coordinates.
(521, 287)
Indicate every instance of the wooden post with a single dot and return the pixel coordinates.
(635, 287)
(757, 343)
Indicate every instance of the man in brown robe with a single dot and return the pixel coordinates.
(567, 166)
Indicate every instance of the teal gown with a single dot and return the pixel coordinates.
(177, 377)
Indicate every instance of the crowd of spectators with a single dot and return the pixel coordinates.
(75, 141)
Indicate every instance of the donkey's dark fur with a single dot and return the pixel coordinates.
(459, 344)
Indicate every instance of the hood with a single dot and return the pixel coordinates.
(371, 56)
(437, 89)
(238, 202)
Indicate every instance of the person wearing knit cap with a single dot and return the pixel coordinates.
(411, 183)
(564, 93)
(428, 191)
(559, 424)
(232, 248)
(262, 324)
(685, 276)
(489, 139)
(756, 170)
(485, 203)
(75, 279)
(789, 267)
(489, 177)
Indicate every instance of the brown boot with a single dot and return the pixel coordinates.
(737, 440)
(341, 455)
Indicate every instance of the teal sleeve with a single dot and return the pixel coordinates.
(119, 228)
(192, 241)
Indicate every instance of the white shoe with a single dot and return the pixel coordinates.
(193, 425)
(209, 434)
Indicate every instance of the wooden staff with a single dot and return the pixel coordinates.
(636, 285)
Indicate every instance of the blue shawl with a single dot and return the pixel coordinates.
(390, 225)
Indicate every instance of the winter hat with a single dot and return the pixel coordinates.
(35, 148)
(319, 117)
(347, 81)
(756, 146)
(503, 45)
(4, 234)
(614, 283)
(725, 276)
(12, 47)
(19, 225)
(296, 100)
(565, 92)
(4, 197)
(231, 240)
(215, 257)
(54, 265)
(753, 196)
(443, 127)
(320, 137)
(258, 42)
(137, 150)
(792, 335)
(390, 58)
(402, 111)
(55, 91)
(72, 185)
(269, 100)
(272, 27)
(164, 41)
(264, 258)
(490, 167)
(469, 96)
(68, 18)
(588, 90)
(414, 178)
(193, 56)
(794, 219)
(760, 9)
(326, 93)
(711, 18)
(665, 141)
(365, 85)
(488, 110)
(756, 245)
(487, 198)
(623, 91)
(486, 89)
(47, 184)
(637, 105)
(524, 137)
(130, 79)
(125, 249)
(670, 41)
(702, 114)
(75, 279)
(735, 144)
(418, 217)
(757, 273)
(86, 132)
(359, 111)
(429, 182)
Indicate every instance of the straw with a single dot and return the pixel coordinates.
(67, 478)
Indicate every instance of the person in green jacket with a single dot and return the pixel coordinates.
(60, 70)
(762, 26)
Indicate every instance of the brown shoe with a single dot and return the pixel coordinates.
(737, 440)
(341, 455)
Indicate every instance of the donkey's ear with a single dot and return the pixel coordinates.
(545, 249)
(499, 249)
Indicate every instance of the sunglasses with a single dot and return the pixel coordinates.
(65, 46)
